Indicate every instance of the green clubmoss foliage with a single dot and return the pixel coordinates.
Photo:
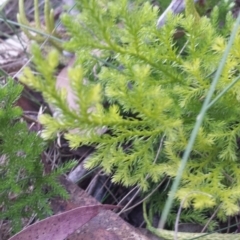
(25, 189)
(146, 86)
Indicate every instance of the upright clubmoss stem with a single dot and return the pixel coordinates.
(191, 10)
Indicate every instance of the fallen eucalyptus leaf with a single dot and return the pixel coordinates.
(59, 226)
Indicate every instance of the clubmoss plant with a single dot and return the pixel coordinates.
(25, 189)
(148, 87)
(41, 34)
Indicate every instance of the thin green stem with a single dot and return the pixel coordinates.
(33, 30)
(36, 14)
(223, 92)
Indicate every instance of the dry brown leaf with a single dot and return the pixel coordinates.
(63, 82)
(58, 227)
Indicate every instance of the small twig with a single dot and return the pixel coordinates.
(124, 209)
(210, 219)
(149, 195)
(180, 209)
